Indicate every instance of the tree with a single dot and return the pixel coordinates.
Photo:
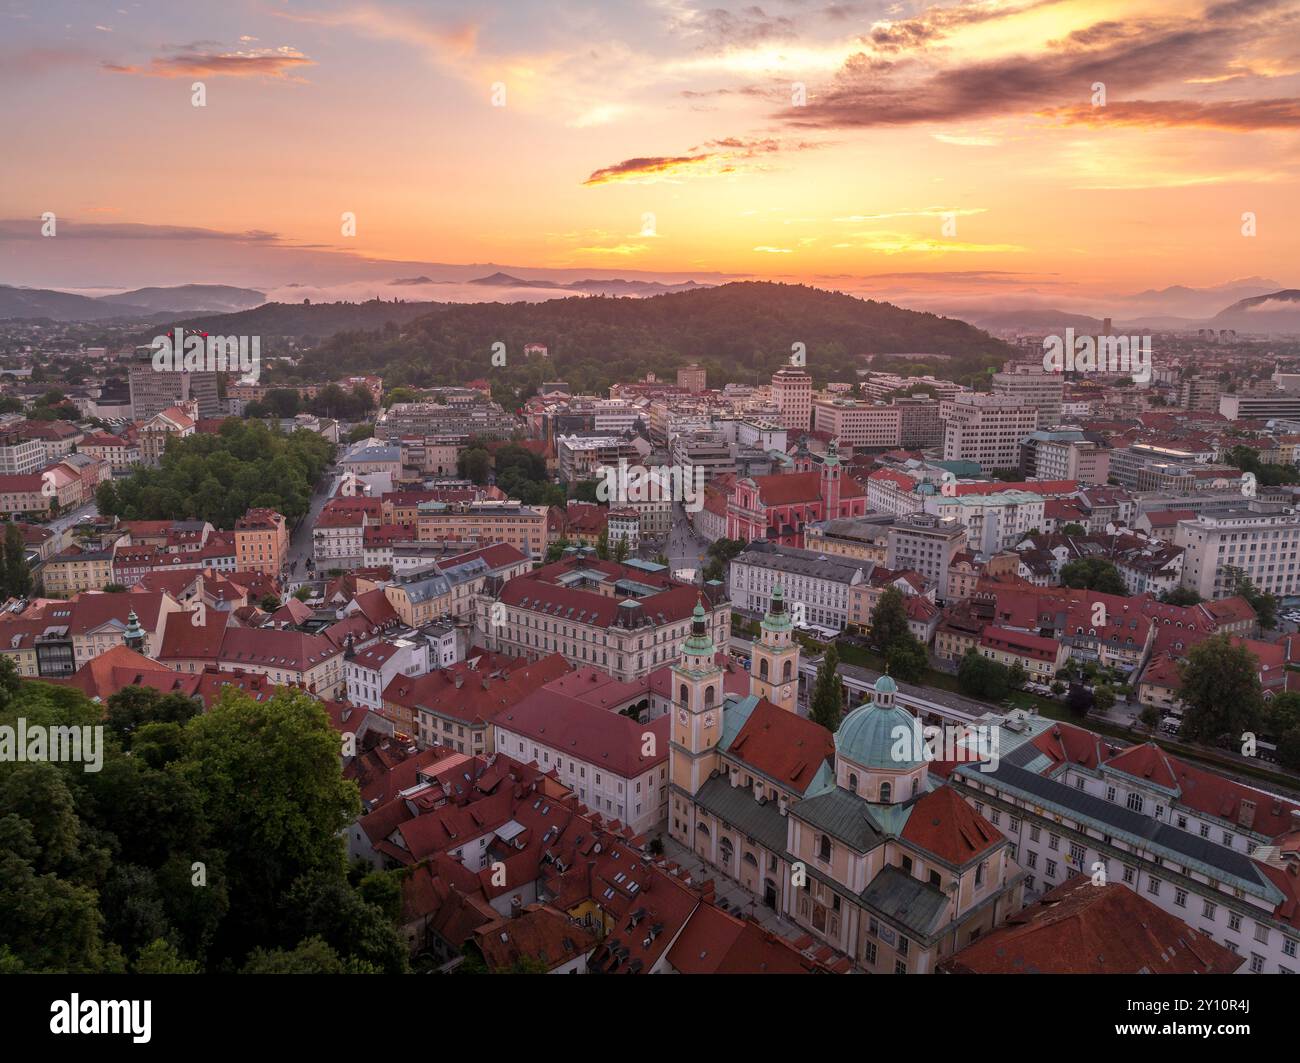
(160, 957)
(602, 544)
(310, 956)
(620, 549)
(980, 677)
(17, 575)
(1150, 717)
(889, 621)
(1073, 529)
(1288, 749)
(1080, 700)
(827, 705)
(1221, 691)
(1184, 596)
(1017, 677)
(1093, 574)
(720, 554)
(286, 826)
(907, 660)
(1103, 695)
(1265, 605)
(270, 603)
(556, 550)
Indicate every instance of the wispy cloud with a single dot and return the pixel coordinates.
(278, 63)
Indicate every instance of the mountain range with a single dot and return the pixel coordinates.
(141, 304)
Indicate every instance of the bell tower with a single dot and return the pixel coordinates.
(830, 481)
(696, 707)
(774, 669)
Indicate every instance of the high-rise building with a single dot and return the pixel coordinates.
(1199, 392)
(1259, 539)
(1030, 386)
(792, 395)
(692, 377)
(927, 544)
(153, 390)
(986, 429)
(859, 424)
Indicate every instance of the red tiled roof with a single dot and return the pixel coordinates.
(1079, 928)
(789, 749)
(943, 824)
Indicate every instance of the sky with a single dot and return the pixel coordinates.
(1053, 151)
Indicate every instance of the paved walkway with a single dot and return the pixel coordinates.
(739, 900)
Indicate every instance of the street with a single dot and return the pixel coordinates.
(684, 548)
(300, 544)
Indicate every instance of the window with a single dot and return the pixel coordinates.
(1135, 802)
(1234, 921)
(1051, 869)
(1129, 872)
(1034, 832)
(1180, 897)
(1153, 887)
(824, 848)
(871, 953)
(900, 967)
(1288, 946)
(1261, 933)
(1054, 842)
(1209, 909)
(1031, 858)
(1256, 963)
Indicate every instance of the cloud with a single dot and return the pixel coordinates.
(649, 168)
(71, 229)
(279, 63)
(1230, 115)
(440, 41)
(867, 92)
(714, 157)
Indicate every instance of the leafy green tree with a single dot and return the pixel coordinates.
(1080, 700)
(17, 575)
(474, 463)
(290, 823)
(1017, 677)
(981, 677)
(134, 706)
(602, 544)
(1184, 596)
(620, 548)
(827, 705)
(311, 956)
(1103, 697)
(1093, 574)
(889, 621)
(1220, 690)
(161, 957)
(907, 661)
(1265, 605)
(1150, 717)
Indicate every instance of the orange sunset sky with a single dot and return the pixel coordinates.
(884, 148)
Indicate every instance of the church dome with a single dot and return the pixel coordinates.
(870, 734)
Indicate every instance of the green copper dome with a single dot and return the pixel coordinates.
(880, 736)
(699, 642)
(885, 685)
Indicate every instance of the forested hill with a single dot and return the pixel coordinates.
(740, 332)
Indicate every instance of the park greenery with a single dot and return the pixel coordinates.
(168, 860)
(218, 477)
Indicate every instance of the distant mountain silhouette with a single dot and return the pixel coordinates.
(1274, 312)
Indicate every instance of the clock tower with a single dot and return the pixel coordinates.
(774, 670)
(696, 693)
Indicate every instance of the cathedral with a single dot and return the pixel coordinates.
(847, 836)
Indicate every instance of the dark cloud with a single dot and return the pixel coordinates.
(866, 94)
